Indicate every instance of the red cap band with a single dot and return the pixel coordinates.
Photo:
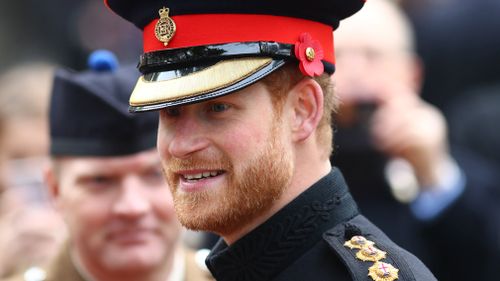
(209, 29)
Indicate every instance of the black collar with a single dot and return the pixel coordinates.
(288, 234)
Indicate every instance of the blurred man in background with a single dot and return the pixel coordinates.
(105, 179)
(30, 230)
(400, 142)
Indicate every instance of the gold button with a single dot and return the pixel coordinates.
(310, 54)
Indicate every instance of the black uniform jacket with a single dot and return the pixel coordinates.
(305, 241)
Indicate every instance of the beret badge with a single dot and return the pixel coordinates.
(165, 27)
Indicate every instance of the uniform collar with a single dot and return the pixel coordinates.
(274, 245)
(63, 267)
(177, 272)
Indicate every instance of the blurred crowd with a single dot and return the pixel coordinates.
(30, 229)
(419, 85)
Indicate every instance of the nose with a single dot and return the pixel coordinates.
(180, 140)
(132, 201)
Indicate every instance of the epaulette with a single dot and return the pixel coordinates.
(370, 255)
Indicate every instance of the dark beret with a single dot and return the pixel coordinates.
(89, 115)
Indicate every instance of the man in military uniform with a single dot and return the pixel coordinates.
(105, 178)
(245, 99)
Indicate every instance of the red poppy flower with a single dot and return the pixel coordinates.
(309, 53)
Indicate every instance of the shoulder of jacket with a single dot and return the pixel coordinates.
(369, 254)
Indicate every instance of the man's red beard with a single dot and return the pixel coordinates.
(249, 192)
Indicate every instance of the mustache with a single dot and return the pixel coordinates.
(212, 162)
(118, 227)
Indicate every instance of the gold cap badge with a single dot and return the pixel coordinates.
(165, 27)
(381, 271)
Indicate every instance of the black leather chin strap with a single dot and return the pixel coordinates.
(186, 57)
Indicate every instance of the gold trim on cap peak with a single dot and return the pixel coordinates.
(218, 76)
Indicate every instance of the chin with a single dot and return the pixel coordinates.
(200, 221)
(133, 263)
(202, 210)
(135, 258)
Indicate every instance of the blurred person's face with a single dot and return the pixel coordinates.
(25, 138)
(24, 148)
(119, 211)
(373, 63)
(24, 176)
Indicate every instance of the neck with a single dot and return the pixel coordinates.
(96, 272)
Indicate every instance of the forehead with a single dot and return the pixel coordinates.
(379, 25)
(112, 164)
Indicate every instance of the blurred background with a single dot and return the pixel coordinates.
(35, 39)
(63, 32)
(457, 41)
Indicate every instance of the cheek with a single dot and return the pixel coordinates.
(245, 138)
(85, 215)
(163, 205)
(163, 208)
(162, 142)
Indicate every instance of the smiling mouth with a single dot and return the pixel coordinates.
(200, 176)
(131, 236)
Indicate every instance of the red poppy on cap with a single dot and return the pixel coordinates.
(310, 53)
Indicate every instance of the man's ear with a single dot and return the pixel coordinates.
(52, 183)
(307, 101)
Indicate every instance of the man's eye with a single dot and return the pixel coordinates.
(172, 111)
(101, 180)
(219, 107)
(98, 181)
